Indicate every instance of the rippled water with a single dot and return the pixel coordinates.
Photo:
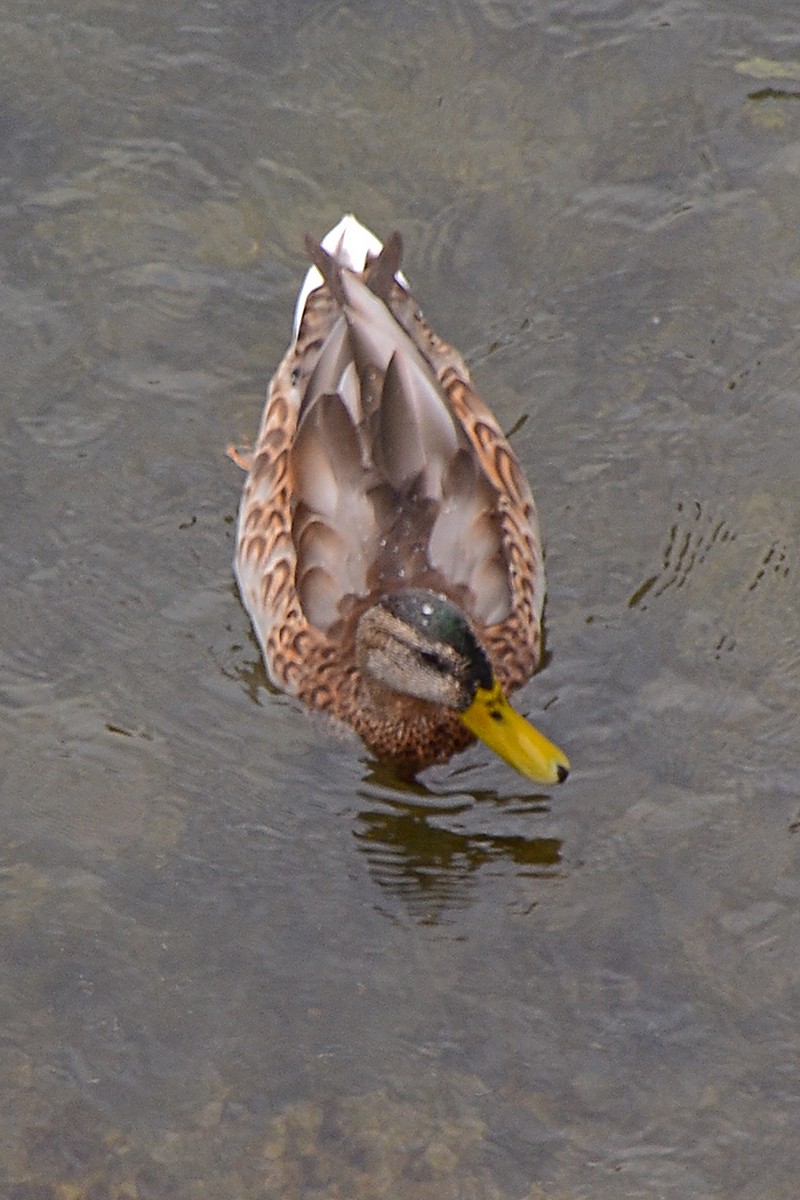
(238, 960)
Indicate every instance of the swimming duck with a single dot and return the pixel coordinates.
(388, 549)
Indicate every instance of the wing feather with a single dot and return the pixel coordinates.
(377, 446)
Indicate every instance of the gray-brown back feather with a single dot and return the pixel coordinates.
(388, 491)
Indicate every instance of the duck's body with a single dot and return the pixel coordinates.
(383, 508)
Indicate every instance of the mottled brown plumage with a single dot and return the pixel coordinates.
(378, 469)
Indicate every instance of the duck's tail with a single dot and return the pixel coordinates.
(351, 245)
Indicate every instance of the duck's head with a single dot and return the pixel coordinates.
(418, 643)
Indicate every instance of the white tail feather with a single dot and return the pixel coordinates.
(349, 243)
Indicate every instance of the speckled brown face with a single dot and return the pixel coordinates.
(441, 623)
(418, 644)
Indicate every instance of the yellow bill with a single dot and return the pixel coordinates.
(492, 719)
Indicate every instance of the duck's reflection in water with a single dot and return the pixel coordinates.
(426, 847)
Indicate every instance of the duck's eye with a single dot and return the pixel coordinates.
(434, 661)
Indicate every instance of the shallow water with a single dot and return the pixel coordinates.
(239, 960)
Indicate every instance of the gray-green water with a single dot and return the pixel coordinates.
(236, 961)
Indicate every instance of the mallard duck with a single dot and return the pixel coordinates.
(388, 550)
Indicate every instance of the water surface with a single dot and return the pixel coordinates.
(238, 959)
